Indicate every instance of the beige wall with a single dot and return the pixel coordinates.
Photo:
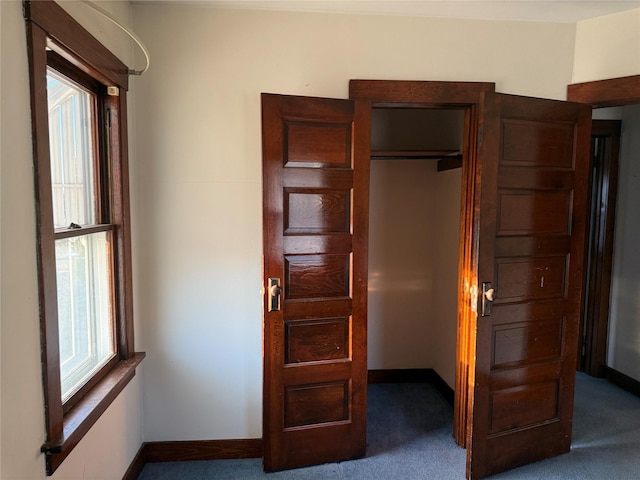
(447, 224)
(402, 279)
(107, 450)
(414, 215)
(199, 179)
(607, 47)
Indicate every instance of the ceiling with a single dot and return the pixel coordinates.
(527, 10)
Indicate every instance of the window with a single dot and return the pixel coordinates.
(78, 100)
(82, 230)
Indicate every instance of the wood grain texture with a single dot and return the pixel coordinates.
(605, 135)
(316, 404)
(518, 343)
(526, 279)
(313, 367)
(531, 242)
(47, 293)
(536, 144)
(188, 450)
(88, 410)
(467, 279)
(603, 93)
(523, 212)
(317, 340)
(317, 144)
(467, 96)
(523, 406)
(121, 216)
(312, 211)
(75, 42)
(417, 93)
(317, 276)
(606, 93)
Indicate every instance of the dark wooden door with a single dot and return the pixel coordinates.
(315, 252)
(530, 218)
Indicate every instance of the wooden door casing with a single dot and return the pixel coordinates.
(533, 157)
(434, 94)
(612, 92)
(315, 345)
(594, 327)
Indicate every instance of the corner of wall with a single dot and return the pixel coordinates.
(607, 47)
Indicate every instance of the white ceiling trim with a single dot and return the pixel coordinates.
(556, 11)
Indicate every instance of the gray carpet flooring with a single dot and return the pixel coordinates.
(409, 437)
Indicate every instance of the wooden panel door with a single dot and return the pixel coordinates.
(315, 244)
(533, 175)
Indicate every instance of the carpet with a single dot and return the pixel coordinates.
(410, 437)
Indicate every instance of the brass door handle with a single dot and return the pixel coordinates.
(274, 294)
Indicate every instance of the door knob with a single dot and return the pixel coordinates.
(274, 294)
(488, 294)
(275, 290)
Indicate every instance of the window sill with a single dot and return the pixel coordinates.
(86, 412)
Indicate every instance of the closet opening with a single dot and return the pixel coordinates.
(414, 228)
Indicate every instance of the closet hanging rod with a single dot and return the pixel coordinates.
(415, 154)
(133, 36)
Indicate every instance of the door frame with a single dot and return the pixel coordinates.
(613, 92)
(446, 95)
(594, 323)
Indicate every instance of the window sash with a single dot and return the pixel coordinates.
(73, 145)
(85, 311)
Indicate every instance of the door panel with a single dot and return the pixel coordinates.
(533, 160)
(315, 345)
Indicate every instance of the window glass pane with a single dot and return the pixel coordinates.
(71, 142)
(84, 311)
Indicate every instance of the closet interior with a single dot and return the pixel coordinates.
(415, 195)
